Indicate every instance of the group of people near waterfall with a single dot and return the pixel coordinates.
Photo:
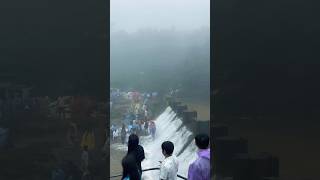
(135, 127)
(198, 170)
(137, 121)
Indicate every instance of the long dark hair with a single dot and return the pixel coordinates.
(130, 168)
(133, 143)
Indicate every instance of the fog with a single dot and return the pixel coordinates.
(132, 15)
(157, 45)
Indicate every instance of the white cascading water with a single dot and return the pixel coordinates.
(167, 125)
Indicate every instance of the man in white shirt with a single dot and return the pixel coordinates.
(169, 166)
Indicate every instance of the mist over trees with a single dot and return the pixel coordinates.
(156, 60)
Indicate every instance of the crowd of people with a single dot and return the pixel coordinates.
(138, 119)
(198, 170)
(147, 127)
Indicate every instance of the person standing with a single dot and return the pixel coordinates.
(130, 127)
(130, 170)
(85, 162)
(153, 129)
(112, 131)
(115, 135)
(135, 126)
(146, 126)
(200, 168)
(136, 150)
(169, 166)
(144, 107)
(146, 114)
(123, 133)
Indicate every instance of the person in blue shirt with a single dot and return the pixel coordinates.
(130, 128)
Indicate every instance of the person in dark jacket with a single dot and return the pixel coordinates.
(136, 150)
(130, 170)
(200, 168)
(146, 127)
(123, 133)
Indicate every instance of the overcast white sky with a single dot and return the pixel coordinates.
(131, 15)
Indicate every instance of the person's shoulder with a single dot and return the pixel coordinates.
(194, 165)
(140, 147)
(168, 162)
(165, 165)
(174, 158)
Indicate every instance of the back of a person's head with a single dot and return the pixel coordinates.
(168, 147)
(133, 142)
(202, 141)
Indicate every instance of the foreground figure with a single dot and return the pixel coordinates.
(136, 150)
(169, 166)
(200, 168)
(130, 168)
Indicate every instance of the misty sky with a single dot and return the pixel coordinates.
(131, 15)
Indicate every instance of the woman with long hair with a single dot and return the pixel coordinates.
(130, 168)
(136, 150)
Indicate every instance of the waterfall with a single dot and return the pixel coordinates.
(169, 128)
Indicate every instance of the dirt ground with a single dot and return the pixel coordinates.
(115, 162)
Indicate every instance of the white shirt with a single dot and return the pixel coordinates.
(114, 134)
(169, 168)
